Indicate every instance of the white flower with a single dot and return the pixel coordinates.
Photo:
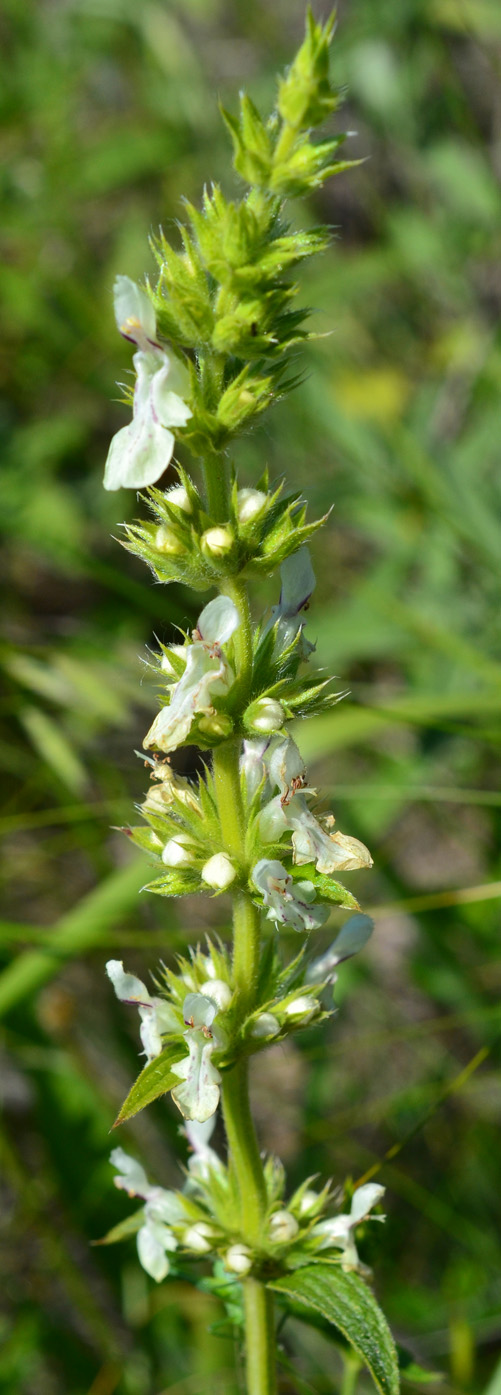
(331, 852)
(219, 872)
(162, 1209)
(139, 453)
(134, 313)
(156, 1014)
(207, 675)
(288, 902)
(153, 1240)
(298, 583)
(286, 767)
(198, 1094)
(203, 1159)
(338, 1232)
(253, 767)
(352, 938)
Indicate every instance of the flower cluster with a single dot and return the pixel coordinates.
(201, 1220)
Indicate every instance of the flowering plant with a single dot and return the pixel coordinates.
(214, 339)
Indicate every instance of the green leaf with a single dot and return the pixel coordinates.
(154, 1080)
(345, 1301)
(129, 1226)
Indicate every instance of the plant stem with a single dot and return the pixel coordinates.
(260, 1339)
(244, 1150)
(351, 1367)
(243, 1146)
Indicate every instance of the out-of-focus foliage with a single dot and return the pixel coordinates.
(109, 116)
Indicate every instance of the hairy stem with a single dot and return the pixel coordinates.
(244, 1156)
(260, 1339)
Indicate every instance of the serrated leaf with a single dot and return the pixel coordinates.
(346, 1303)
(156, 1078)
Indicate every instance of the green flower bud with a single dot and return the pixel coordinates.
(301, 1009)
(167, 541)
(308, 1203)
(180, 498)
(217, 726)
(265, 1025)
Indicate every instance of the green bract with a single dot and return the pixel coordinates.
(214, 339)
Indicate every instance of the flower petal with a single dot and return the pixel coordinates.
(364, 1199)
(128, 988)
(151, 1250)
(132, 1177)
(134, 312)
(218, 621)
(198, 1095)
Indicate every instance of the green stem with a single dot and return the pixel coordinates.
(244, 1156)
(351, 1368)
(215, 470)
(260, 1339)
(244, 1150)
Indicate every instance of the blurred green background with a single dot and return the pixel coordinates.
(109, 117)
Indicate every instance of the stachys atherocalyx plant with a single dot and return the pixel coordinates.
(214, 343)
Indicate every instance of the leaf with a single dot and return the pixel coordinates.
(345, 1301)
(129, 1226)
(154, 1080)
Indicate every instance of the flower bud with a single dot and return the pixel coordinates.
(217, 542)
(265, 715)
(166, 540)
(218, 990)
(178, 852)
(308, 1203)
(218, 726)
(238, 1259)
(265, 1025)
(180, 498)
(199, 1237)
(283, 1227)
(301, 1009)
(219, 872)
(250, 502)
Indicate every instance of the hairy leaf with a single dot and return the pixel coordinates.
(154, 1080)
(345, 1301)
